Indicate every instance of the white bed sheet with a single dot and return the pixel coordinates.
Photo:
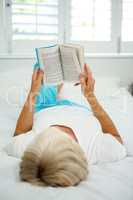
(110, 181)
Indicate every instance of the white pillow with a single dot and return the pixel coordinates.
(107, 149)
(18, 144)
(106, 86)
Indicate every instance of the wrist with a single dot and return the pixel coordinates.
(95, 105)
(31, 97)
(30, 102)
(33, 93)
(92, 100)
(90, 96)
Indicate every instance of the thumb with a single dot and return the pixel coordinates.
(40, 75)
(82, 81)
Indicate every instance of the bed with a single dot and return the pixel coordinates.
(110, 181)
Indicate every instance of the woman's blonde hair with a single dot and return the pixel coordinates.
(54, 159)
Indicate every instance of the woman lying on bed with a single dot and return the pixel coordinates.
(62, 137)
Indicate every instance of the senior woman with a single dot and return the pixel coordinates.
(63, 138)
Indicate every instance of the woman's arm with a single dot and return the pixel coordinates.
(104, 119)
(87, 86)
(25, 120)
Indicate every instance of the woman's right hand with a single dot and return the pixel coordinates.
(37, 79)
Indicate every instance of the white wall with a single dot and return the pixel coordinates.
(109, 66)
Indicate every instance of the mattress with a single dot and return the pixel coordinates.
(110, 181)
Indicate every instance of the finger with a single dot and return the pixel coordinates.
(89, 80)
(82, 80)
(81, 76)
(93, 84)
(40, 75)
(34, 75)
(88, 72)
(87, 69)
(90, 76)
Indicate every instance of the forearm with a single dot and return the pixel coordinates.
(104, 119)
(25, 120)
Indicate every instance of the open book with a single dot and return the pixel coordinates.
(60, 62)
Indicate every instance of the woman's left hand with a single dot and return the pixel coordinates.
(87, 82)
(37, 79)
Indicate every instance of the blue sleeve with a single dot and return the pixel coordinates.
(47, 97)
(36, 66)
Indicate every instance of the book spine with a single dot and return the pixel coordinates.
(37, 56)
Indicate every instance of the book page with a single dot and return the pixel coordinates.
(79, 51)
(70, 63)
(49, 61)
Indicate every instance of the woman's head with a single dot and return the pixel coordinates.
(54, 159)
